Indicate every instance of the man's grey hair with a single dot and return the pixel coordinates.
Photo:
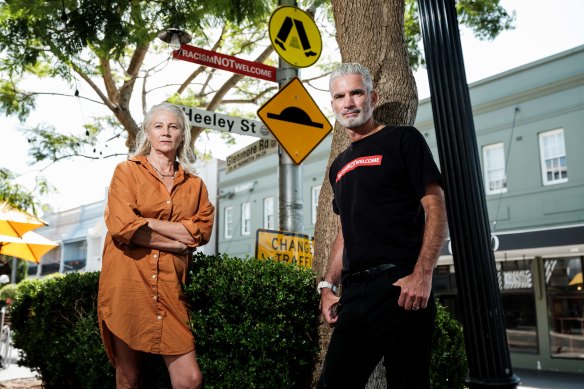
(352, 68)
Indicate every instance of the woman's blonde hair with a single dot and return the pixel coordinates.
(185, 156)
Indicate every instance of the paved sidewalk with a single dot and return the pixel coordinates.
(536, 379)
(14, 376)
(13, 371)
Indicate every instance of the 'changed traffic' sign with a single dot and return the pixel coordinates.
(284, 247)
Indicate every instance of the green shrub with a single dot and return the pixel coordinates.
(255, 322)
(55, 324)
(8, 291)
(449, 367)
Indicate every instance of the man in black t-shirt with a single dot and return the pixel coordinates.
(388, 196)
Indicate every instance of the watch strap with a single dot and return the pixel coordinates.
(326, 284)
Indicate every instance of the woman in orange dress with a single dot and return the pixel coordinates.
(157, 213)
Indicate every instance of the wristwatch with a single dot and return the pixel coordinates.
(326, 284)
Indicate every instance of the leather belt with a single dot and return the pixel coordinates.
(368, 274)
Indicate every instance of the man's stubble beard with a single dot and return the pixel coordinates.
(364, 115)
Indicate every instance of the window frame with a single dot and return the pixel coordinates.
(246, 218)
(314, 195)
(488, 170)
(269, 212)
(544, 158)
(228, 222)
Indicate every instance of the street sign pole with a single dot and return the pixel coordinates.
(289, 174)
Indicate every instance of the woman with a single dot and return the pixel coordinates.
(157, 213)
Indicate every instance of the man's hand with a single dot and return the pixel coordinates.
(327, 300)
(415, 291)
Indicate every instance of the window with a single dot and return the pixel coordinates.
(245, 218)
(228, 233)
(314, 201)
(74, 255)
(565, 298)
(494, 164)
(51, 261)
(517, 293)
(269, 213)
(554, 169)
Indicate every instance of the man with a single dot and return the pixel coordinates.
(387, 193)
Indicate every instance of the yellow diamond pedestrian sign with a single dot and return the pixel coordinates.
(295, 36)
(295, 120)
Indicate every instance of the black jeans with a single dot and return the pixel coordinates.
(371, 325)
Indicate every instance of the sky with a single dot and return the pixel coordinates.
(543, 28)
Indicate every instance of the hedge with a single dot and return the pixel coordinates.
(255, 325)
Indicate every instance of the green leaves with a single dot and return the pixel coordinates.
(486, 18)
(48, 144)
(254, 322)
(255, 325)
(449, 367)
(19, 196)
(13, 101)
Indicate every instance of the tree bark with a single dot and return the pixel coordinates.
(369, 32)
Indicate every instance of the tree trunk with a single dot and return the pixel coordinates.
(369, 32)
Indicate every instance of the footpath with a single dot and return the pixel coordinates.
(19, 377)
(13, 376)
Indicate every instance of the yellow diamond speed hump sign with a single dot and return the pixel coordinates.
(295, 120)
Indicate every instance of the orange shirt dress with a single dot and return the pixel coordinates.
(140, 297)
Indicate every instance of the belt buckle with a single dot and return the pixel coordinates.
(363, 274)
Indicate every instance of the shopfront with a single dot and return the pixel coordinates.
(542, 292)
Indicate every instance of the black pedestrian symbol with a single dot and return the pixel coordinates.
(284, 32)
(295, 115)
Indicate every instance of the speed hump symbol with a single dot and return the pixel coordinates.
(295, 36)
(295, 120)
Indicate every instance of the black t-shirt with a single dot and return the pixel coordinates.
(378, 182)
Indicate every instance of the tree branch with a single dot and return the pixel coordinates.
(79, 155)
(67, 95)
(212, 106)
(109, 82)
(136, 62)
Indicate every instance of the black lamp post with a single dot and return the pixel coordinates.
(478, 289)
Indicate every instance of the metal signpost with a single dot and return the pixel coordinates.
(289, 30)
(296, 39)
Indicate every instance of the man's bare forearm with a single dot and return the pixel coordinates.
(435, 230)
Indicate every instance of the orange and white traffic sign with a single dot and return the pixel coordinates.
(284, 247)
(295, 36)
(295, 120)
